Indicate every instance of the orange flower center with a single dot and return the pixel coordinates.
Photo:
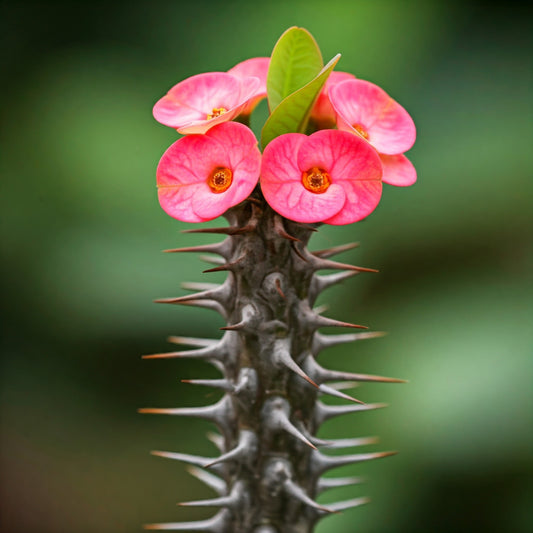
(217, 111)
(360, 130)
(220, 179)
(316, 180)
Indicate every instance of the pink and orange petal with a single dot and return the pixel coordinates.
(330, 176)
(205, 100)
(186, 174)
(255, 67)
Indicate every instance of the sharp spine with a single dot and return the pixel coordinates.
(223, 384)
(214, 352)
(325, 412)
(275, 417)
(334, 392)
(192, 341)
(212, 481)
(292, 489)
(245, 450)
(218, 524)
(348, 504)
(230, 501)
(322, 463)
(336, 444)
(222, 248)
(322, 375)
(334, 250)
(220, 413)
(331, 483)
(282, 357)
(321, 341)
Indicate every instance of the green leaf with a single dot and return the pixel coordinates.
(292, 115)
(295, 61)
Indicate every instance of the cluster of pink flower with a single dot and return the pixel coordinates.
(333, 175)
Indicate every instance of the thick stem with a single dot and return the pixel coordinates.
(270, 468)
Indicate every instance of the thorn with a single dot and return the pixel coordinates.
(334, 374)
(280, 230)
(249, 317)
(320, 283)
(321, 463)
(247, 448)
(322, 322)
(229, 230)
(308, 227)
(334, 250)
(223, 501)
(231, 500)
(218, 248)
(275, 416)
(325, 412)
(323, 375)
(218, 524)
(292, 489)
(321, 342)
(223, 384)
(215, 351)
(278, 288)
(343, 385)
(235, 327)
(298, 252)
(217, 440)
(212, 259)
(227, 266)
(322, 264)
(192, 341)
(348, 504)
(218, 294)
(282, 356)
(346, 443)
(214, 482)
(219, 413)
(183, 457)
(334, 392)
(331, 483)
(198, 286)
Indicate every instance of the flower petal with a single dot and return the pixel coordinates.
(362, 197)
(351, 163)
(344, 156)
(185, 167)
(188, 104)
(323, 113)
(357, 102)
(281, 183)
(255, 67)
(398, 170)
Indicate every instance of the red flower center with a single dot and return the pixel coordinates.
(360, 130)
(316, 180)
(220, 179)
(217, 111)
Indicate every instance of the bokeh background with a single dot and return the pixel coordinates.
(82, 233)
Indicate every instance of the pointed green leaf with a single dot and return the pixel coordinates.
(292, 115)
(295, 61)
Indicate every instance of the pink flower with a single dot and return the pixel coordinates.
(368, 111)
(256, 67)
(323, 113)
(199, 177)
(331, 176)
(202, 101)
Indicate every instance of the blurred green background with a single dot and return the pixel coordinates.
(82, 233)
